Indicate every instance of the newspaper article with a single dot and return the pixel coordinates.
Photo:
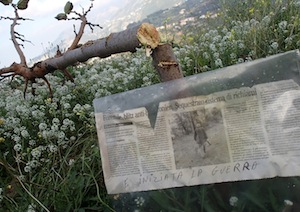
(239, 134)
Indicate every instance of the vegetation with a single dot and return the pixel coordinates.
(50, 160)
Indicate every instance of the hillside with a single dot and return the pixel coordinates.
(188, 11)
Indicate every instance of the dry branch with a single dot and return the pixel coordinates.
(17, 36)
(83, 18)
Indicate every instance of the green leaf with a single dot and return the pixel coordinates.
(68, 7)
(6, 2)
(22, 4)
(61, 16)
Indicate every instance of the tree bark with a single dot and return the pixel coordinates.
(165, 63)
(127, 40)
(124, 41)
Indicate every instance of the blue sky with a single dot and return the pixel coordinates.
(44, 29)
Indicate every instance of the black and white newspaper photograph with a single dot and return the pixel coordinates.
(198, 138)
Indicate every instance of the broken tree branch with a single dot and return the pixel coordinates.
(124, 41)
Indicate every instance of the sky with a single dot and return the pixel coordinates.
(45, 29)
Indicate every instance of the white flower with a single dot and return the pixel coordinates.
(145, 79)
(87, 107)
(206, 55)
(219, 63)
(55, 121)
(77, 108)
(253, 22)
(288, 202)
(68, 124)
(22, 177)
(252, 53)
(67, 106)
(274, 45)
(139, 201)
(216, 55)
(233, 201)
(212, 47)
(233, 56)
(288, 40)
(33, 164)
(37, 114)
(16, 138)
(71, 162)
(282, 25)
(52, 148)
(217, 38)
(17, 147)
(241, 45)
(61, 135)
(241, 60)
(42, 126)
(17, 130)
(54, 127)
(25, 133)
(31, 208)
(27, 168)
(36, 153)
(32, 142)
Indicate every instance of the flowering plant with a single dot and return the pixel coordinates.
(49, 154)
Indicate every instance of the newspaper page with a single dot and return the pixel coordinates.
(239, 134)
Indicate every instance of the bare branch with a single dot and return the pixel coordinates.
(6, 18)
(20, 18)
(84, 22)
(74, 27)
(90, 8)
(21, 38)
(93, 25)
(16, 36)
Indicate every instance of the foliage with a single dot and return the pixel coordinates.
(6, 2)
(21, 5)
(49, 154)
(50, 145)
(67, 10)
(242, 31)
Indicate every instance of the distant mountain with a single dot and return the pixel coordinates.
(137, 10)
(188, 11)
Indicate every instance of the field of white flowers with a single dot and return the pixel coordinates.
(50, 160)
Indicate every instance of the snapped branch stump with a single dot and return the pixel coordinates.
(165, 63)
